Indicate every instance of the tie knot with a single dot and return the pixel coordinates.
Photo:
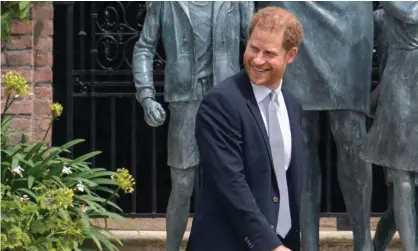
(273, 96)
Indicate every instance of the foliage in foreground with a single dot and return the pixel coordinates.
(47, 199)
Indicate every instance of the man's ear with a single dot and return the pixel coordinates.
(291, 54)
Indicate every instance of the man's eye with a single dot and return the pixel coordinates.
(270, 54)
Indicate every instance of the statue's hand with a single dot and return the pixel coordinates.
(153, 112)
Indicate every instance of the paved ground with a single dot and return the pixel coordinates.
(158, 224)
(152, 235)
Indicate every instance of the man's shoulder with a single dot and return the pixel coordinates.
(228, 88)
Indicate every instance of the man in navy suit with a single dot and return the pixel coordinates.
(249, 137)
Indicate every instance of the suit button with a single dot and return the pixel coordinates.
(275, 199)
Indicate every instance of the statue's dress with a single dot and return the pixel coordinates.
(392, 140)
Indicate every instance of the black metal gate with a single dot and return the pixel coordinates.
(93, 45)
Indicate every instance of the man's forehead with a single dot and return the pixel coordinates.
(270, 29)
(267, 34)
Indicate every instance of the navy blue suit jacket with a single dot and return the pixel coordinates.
(238, 207)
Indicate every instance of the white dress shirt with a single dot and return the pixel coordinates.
(261, 93)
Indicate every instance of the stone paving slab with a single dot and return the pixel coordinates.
(155, 240)
(158, 224)
(152, 236)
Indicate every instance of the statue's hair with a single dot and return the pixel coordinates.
(279, 20)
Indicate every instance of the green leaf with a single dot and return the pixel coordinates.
(23, 139)
(98, 235)
(86, 156)
(5, 122)
(24, 9)
(102, 181)
(37, 170)
(28, 192)
(121, 220)
(30, 181)
(55, 171)
(71, 143)
(34, 150)
(77, 179)
(15, 162)
(94, 174)
(104, 189)
(63, 214)
(57, 181)
(97, 242)
(114, 205)
(21, 159)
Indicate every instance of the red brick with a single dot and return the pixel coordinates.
(43, 92)
(3, 59)
(43, 12)
(18, 107)
(21, 27)
(43, 43)
(19, 42)
(43, 27)
(42, 76)
(14, 137)
(42, 107)
(19, 58)
(20, 124)
(43, 59)
(39, 136)
(27, 74)
(41, 124)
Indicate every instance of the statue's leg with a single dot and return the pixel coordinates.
(386, 228)
(354, 174)
(404, 208)
(178, 205)
(182, 158)
(311, 189)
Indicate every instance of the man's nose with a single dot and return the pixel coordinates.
(259, 59)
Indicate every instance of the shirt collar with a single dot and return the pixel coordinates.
(261, 92)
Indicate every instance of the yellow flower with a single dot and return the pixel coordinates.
(57, 198)
(124, 180)
(56, 109)
(14, 81)
(64, 198)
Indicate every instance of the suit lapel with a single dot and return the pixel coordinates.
(253, 106)
(255, 111)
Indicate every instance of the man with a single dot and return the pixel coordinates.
(201, 42)
(249, 137)
(332, 73)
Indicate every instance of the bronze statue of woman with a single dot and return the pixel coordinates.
(392, 140)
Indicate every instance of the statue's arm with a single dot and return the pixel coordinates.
(405, 11)
(246, 12)
(144, 52)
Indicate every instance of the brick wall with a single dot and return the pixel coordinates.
(29, 51)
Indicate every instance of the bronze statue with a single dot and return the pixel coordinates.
(201, 41)
(392, 140)
(332, 73)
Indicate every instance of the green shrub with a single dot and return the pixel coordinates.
(47, 199)
(10, 10)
